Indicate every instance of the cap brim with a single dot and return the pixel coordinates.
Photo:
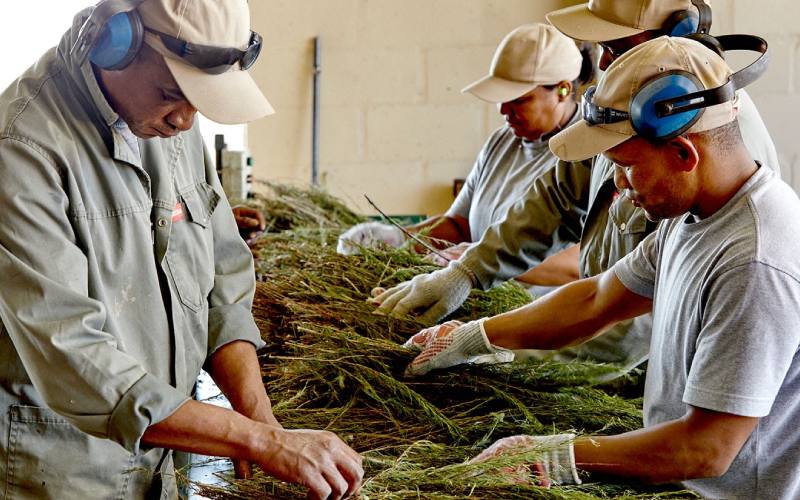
(497, 90)
(581, 141)
(579, 23)
(229, 98)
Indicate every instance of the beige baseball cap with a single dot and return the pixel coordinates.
(604, 20)
(620, 83)
(531, 55)
(229, 97)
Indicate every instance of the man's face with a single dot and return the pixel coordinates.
(613, 49)
(147, 97)
(644, 174)
(534, 114)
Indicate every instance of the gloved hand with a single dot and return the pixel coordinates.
(439, 293)
(557, 464)
(369, 235)
(454, 344)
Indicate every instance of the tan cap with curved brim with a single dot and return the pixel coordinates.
(231, 97)
(531, 55)
(604, 20)
(627, 75)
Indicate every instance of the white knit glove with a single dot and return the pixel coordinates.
(438, 293)
(369, 235)
(454, 344)
(558, 458)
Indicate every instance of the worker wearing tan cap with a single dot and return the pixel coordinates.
(533, 78)
(124, 273)
(611, 227)
(720, 276)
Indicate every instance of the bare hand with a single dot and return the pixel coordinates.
(251, 222)
(318, 460)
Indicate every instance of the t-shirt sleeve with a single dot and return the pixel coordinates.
(637, 270)
(463, 202)
(749, 336)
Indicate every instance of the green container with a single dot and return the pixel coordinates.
(403, 220)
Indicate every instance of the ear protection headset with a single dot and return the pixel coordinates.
(113, 35)
(687, 22)
(670, 103)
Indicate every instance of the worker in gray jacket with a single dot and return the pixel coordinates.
(123, 271)
(534, 77)
(612, 226)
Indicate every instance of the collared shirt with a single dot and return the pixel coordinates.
(122, 272)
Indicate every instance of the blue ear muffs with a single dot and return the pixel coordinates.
(645, 116)
(682, 23)
(688, 22)
(118, 42)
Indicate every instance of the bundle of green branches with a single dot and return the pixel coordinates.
(332, 363)
(286, 207)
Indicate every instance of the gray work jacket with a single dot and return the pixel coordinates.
(578, 202)
(121, 274)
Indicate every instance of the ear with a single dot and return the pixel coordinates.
(564, 90)
(683, 153)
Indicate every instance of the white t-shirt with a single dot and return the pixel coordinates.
(726, 329)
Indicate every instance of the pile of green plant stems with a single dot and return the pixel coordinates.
(331, 362)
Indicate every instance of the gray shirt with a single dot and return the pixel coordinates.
(726, 329)
(122, 271)
(503, 174)
(571, 204)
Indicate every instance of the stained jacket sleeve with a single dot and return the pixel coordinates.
(549, 216)
(56, 327)
(230, 302)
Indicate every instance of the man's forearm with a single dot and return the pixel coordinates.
(693, 447)
(210, 430)
(235, 369)
(443, 227)
(571, 314)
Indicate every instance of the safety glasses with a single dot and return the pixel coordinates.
(210, 59)
(598, 115)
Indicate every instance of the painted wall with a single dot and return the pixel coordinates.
(777, 94)
(394, 124)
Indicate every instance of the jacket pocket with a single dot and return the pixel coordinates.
(628, 219)
(190, 254)
(49, 458)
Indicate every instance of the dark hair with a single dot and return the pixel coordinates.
(588, 68)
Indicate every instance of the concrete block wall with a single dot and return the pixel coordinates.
(777, 93)
(394, 124)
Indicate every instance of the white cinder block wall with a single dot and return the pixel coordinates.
(394, 124)
(777, 94)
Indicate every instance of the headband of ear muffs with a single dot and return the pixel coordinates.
(119, 41)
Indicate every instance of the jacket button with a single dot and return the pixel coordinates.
(622, 226)
(162, 222)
